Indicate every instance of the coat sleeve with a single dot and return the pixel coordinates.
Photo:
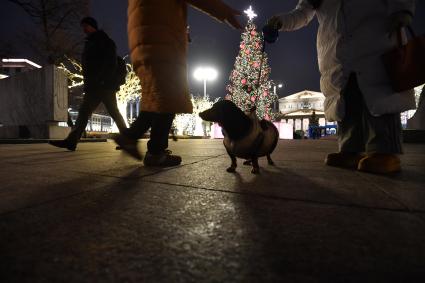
(395, 6)
(297, 18)
(215, 8)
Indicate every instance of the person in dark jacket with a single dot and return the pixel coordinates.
(99, 62)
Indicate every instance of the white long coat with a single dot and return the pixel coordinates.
(352, 36)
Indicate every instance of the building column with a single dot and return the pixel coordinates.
(137, 106)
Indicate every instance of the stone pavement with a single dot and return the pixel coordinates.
(96, 215)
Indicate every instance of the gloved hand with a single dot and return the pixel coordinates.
(399, 20)
(275, 22)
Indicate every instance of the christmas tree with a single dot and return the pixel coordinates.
(249, 81)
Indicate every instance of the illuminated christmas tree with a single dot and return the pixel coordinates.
(249, 81)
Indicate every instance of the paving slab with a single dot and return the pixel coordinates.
(131, 231)
(96, 215)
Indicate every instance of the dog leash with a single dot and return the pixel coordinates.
(270, 35)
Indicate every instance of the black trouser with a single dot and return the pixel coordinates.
(90, 102)
(160, 124)
(359, 131)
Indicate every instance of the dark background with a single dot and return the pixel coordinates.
(293, 58)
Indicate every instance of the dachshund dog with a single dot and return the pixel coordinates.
(245, 136)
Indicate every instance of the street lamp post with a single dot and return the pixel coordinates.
(205, 74)
(274, 90)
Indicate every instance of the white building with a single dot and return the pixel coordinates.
(13, 66)
(298, 108)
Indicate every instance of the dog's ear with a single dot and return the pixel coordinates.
(230, 113)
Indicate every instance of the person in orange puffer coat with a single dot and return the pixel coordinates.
(157, 32)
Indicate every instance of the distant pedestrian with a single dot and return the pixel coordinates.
(99, 62)
(158, 37)
(352, 36)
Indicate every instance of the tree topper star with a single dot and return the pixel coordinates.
(250, 13)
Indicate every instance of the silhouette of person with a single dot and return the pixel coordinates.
(99, 62)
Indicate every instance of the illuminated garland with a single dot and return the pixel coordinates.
(75, 75)
(130, 90)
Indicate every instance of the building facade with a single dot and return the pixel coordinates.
(297, 109)
(13, 66)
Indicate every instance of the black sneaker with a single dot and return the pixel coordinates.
(128, 145)
(163, 159)
(64, 144)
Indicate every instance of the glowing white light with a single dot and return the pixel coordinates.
(21, 61)
(250, 13)
(3, 76)
(207, 73)
(280, 85)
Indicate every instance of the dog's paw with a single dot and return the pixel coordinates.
(255, 171)
(247, 162)
(231, 169)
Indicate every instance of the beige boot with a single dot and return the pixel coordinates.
(348, 160)
(380, 163)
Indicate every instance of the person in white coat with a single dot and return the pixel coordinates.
(352, 36)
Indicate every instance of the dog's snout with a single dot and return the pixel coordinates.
(202, 115)
(205, 115)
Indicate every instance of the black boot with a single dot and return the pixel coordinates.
(64, 144)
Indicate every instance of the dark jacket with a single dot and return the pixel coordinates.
(99, 62)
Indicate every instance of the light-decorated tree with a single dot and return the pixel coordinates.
(191, 124)
(249, 81)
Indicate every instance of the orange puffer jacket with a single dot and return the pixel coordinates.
(158, 46)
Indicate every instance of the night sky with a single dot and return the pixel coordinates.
(293, 58)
